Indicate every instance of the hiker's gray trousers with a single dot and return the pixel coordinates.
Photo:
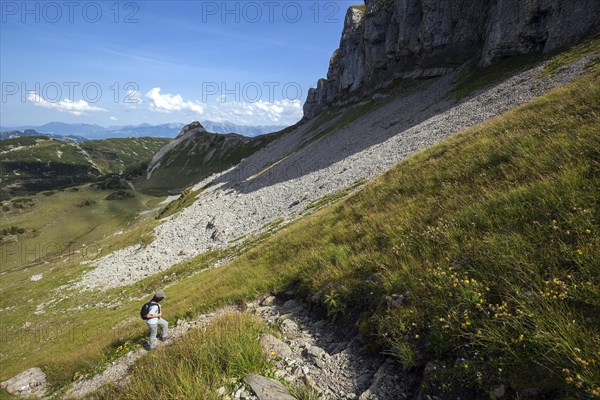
(164, 331)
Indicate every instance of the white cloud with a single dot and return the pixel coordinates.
(280, 112)
(78, 107)
(113, 118)
(168, 102)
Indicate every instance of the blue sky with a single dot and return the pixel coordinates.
(131, 62)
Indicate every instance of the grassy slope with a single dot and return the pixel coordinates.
(510, 206)
(38, 163)
(62, 222)
(196, 367)
(494, 234)
(115, 155)
(59, 234)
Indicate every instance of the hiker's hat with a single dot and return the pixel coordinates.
(160, 294)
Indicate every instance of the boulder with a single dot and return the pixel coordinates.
(31, 383)
(274, 348)
(267, 389)
(290, 329)
(268, 301)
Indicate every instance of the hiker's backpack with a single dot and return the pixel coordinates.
(146, 309)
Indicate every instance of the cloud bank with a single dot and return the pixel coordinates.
(279, 112)
(168, 103)
(78, 107)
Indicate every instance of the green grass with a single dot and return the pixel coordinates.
(116, 155)
(33, 164)
(586, 47)
(48, 234)
(187, 198)
(205, 360)
(476, 78)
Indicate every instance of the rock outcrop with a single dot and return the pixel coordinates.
(267, 389)
(194, 155)
(31, 383)
(386, 40)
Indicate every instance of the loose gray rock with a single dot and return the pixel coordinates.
(333, 367)
(396, 300)
(316, 352)
(267, 389)
(221, 391)
(273, 347)
(217, 235)
(500, 392)
(315, 298)
(31, 383)
(290, 329)
(289, 306)
(268, 301)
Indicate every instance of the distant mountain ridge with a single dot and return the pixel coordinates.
(34, 163)
(168, 130)
(244, 130)
(31, 132)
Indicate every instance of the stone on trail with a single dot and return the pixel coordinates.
(268, 301)
(273, 347)
(267, 389)
(290, 329)
(31, 383)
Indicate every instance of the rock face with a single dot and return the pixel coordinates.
(391, 39)
(31, 383)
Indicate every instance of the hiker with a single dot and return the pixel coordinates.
(154, 320)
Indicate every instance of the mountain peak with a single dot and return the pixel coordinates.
(196, 126)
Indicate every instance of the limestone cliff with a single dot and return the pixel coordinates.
(390, 39)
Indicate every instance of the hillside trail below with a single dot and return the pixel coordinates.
(117, 371)
(331, 360)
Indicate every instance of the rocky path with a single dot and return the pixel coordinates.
(331, 362)
(326, 358)
(117, 371)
